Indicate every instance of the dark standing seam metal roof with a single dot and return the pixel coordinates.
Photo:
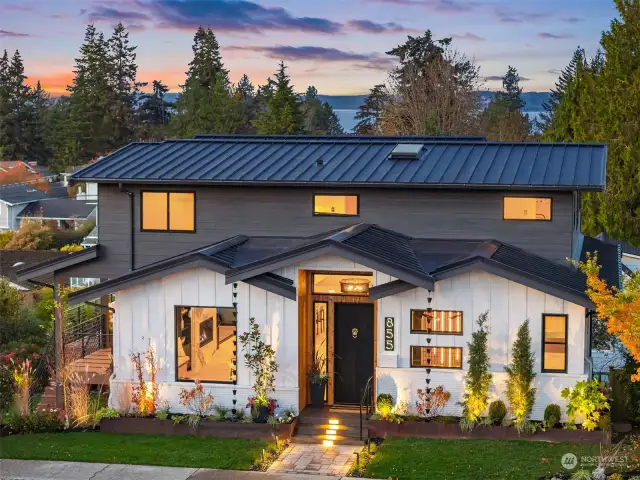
(63, 208)
(625, 246)
(18, 193)
(609, 259)
(417, 261)
(346, 138)
(331, 161)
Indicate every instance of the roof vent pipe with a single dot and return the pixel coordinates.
(319, 162)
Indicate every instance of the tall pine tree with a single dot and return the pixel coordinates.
(282, 114)
(369, 114)
(319, 117)
(503, 119)
(16, 110)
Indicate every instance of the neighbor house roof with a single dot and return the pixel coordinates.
(18, 193)
(626, 247)
(25, 258)
(356, 161)
(412, 262)
(58, 209)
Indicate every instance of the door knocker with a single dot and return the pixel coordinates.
(354, 332)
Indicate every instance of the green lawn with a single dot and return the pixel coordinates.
(421, 458)
(225, 453)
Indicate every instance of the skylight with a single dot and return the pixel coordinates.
(406, 151)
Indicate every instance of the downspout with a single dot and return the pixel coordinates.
(587, 355)
(131, 229)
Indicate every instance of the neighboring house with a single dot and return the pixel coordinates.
(630, 253)
(87, 192)
(39, 172)
(13, 260)
(65, 212)
(14, 198)
(375, 253)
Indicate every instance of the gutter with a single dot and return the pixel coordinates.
(131, 230)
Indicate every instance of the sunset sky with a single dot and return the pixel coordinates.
(336, 45)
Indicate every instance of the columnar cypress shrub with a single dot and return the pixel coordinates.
(478, 378)
(520, 392)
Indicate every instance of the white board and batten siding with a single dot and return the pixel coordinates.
(145, 315)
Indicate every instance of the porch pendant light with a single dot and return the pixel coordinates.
(354, 285)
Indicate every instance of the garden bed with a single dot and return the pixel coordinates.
(206, 428)
(383, 429)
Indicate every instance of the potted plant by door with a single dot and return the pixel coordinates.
(318, 379)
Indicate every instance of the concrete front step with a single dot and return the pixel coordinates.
(306, 429)
(319, 439)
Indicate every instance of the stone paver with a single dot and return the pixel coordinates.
(315, 460)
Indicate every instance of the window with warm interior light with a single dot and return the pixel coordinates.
(341, 284)
(527, 208)
(436, 357)
(206, 345)
(554, 346)
(436, 321)
(335, 205)
(168, 211)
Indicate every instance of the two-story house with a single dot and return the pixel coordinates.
(377, 254)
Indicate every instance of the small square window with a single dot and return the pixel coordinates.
(345, 205)
(168, 211)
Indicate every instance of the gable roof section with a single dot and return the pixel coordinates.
(609, 259)
(18, 193)
(48, 268)
(626, 247)
(58, 208)
(9, 258)
(331, 161)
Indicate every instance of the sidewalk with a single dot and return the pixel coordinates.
(44, 470)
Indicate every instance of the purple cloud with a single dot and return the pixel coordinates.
(102, 12)
(7, 33)
(553, 36)
(235, 15)
(499, 78)
(367, 26)
(508, 15)
(439, 6)
(373, 61)
(573, 20)
(468, 36)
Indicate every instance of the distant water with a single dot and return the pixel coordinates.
(347, 120)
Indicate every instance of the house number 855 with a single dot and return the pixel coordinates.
(389, 334)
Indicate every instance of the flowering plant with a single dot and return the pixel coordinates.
(431, 404)
(196, 400)
(255, 403)
(22, 374)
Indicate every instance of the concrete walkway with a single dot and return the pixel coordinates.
(41, 470)
(315, 460)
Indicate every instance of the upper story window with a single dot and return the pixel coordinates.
(436, 357)
(527, 208)
(336, 205)
(554, 343)
(168, 211)
(436, 321)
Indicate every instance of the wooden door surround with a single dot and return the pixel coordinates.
(305, 330)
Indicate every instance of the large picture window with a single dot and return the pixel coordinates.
(168, 211)
(436, 357)
(206, 346)
(335, 205)
(436, 321)
(527, 208)
(554, 343)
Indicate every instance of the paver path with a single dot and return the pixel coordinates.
(315, 459)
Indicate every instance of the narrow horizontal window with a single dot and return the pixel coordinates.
(436, 357)
(554, 353)
(168, 211)
(341, 284)
(206, 346)
(335, 205)
(436, 321)
(527, 208)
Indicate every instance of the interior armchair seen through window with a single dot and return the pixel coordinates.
(206, 344)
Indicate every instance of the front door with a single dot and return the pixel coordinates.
(353, 346)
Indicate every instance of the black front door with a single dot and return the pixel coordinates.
(353, 343)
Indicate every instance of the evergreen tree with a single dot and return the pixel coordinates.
(15, 108)
(246, 95)
(40, 103)
(319, 117)
(59, 134)
(125, 89)
(566, 77)
(520, 392)
(207, 93)
(282, 114)
(477, 378)
(155, 111)
(370, 112)
(503, 119)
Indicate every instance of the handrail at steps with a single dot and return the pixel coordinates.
(366, 393)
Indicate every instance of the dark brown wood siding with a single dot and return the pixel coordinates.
(222, 212)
